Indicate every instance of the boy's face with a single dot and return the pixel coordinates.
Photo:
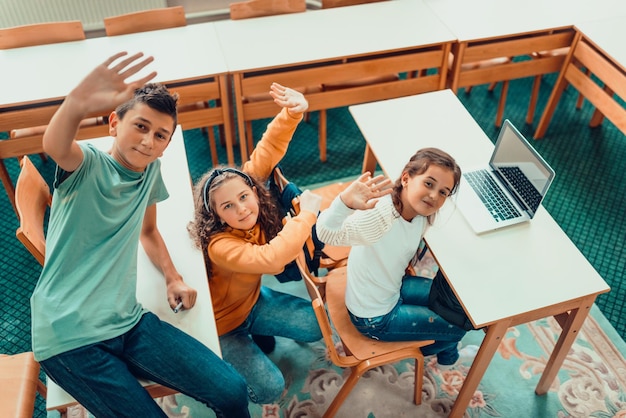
(141, 137)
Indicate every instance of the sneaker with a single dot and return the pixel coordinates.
(466, 353)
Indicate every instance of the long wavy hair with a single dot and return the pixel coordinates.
(418, 164)
(206, 223)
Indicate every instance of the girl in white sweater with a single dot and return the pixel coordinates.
(384, 226)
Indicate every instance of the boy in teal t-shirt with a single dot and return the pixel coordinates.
(90, 334)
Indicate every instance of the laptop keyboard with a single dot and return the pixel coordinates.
(492, 197)
(523, 186)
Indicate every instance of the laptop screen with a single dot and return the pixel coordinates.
(521, 167)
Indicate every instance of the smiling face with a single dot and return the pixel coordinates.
(236, 203)
(424, 194)
(140, 137)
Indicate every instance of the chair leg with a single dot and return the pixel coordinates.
(581, 98)
(419, 380)
(8, 184)
(249, 138)
(322, 135)
(534, 95)
(502, 102)
(212, 146)
(351, 381)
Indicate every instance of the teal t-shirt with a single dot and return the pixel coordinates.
(87, 289)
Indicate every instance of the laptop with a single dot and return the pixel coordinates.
(507, 191)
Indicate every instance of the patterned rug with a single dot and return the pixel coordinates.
(591, 382)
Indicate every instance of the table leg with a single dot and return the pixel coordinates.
(488, 348)
(8, 184)
(571, 326)
(369, 161)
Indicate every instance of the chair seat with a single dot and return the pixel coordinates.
(359, 345)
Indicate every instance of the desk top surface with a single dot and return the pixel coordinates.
(318, 35)
(483, 19)
(173, 215)
(607, 34)
(499, 274)
(38, 73)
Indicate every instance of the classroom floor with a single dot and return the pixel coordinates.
(586, 199)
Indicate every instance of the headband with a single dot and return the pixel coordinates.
(218, 172)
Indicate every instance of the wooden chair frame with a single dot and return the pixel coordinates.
(145, 20)
(41, 34)
(584, 60)
(466, 53)
(260, 8)
(19, 377)
(336, 71)
(360, 352)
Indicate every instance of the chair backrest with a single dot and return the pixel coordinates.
(32, 197)
(312, 285)
(327, 4)
(258, 8)
(145, 20)
(41, 34)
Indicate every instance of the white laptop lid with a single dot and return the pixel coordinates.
(512, 153)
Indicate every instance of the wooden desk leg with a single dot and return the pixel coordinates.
(571, 327)
(369, 160)
(228, 116)
(488, 348)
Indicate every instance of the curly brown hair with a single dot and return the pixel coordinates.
(206, 222)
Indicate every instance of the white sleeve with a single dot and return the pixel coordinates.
(342, 226)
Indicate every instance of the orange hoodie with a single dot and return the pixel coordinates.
(240, 258)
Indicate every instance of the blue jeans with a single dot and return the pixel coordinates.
(411, 320)
(103, 376)
(276, 314)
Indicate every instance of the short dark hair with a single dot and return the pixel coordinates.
(156, 96)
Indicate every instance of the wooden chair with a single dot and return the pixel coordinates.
(19, 378)
(322, 134)
(191, 106)
(360, 353)
(146, 20)
(28, 126)
(259, 8)
(32, 198)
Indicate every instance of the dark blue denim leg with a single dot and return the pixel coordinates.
(284, 315)
(102, 376)
(277, 314)
(100, 381)
(407, 322)
(161, 352)
(264, 379)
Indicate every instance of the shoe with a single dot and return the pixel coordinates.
(466, 353)
(266, 343)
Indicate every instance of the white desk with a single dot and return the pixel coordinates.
(334, 46)
(173, 215)
(46, 72)
(507, 291)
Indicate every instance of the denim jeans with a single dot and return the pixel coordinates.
(411, 320)
(276, 314)
(103, 376)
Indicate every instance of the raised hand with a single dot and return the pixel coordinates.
(292, 99)
(365, 191)
(105, 86)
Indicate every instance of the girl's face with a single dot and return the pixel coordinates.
(425, 193)
(236, 204)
